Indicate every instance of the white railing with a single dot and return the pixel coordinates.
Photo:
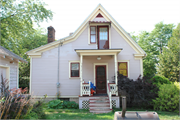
(85, 88)
(109, 93)
(113, 88)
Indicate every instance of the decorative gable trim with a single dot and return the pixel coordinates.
(99, 11)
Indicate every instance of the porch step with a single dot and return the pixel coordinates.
(100, 111)
(99, 105)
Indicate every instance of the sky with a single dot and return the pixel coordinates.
(132, 15)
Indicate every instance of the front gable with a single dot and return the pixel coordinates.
(98, 17)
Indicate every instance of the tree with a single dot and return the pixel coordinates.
(152, 43)
(17, 18)
(169, 63)
(17, 33)
(30, 42)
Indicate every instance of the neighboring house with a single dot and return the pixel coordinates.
(9, 66)
(94, 52)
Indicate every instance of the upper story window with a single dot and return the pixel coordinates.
(93, 34)
(99, 35)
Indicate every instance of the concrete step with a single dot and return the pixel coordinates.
(100, 111)
(99, 105)
(99, 108)
(99, 100)
(105, 97)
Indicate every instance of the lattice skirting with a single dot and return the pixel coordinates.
(113, 103)
(85, 104)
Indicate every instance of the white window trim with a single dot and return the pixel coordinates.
(128, 66)
(95, 71)
(70, 68)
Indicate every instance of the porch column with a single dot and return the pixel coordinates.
(115, 62)
(81, 80)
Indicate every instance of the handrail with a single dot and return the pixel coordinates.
(109, 93)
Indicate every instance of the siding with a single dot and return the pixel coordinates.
(117, 41)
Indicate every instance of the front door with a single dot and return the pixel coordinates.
(100, 79)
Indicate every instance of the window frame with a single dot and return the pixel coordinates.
(127, 68)
(71, 69)
(93, 34)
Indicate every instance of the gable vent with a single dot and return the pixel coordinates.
(99, 15)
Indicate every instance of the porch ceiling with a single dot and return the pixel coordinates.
(97, 52)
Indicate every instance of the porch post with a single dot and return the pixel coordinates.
(81, 80)
(115, 62)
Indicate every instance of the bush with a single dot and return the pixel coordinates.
(139, 93)
(13, 103)
(159, 80)
(168, 97)
(36, 112)
(59, 104)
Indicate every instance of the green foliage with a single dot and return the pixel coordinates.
(31, 41)
(58, 104)
(139, 92)
(159, 80)
(17, 18)
(169, 63)
(17, 33)
(168, 97)
(152, 43)
(36, 112)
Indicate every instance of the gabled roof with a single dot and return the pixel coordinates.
(99, 9)
(6, 52)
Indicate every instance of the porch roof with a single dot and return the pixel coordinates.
(97, 52)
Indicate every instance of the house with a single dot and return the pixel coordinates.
(9, 66)
(94, 52)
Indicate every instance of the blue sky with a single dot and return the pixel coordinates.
(132, 15)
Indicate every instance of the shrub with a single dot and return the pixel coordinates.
(13, 103)
(36, 112)
(59, 104)
(168, 97)
(159, 80)
(139, 93)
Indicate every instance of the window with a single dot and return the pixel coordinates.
(123, 68)
(74, 69)
(93, 34)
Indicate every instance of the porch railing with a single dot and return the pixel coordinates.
(109, 93)
(86, 88)
(113, 88)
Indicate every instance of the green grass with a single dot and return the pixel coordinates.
(85, 114)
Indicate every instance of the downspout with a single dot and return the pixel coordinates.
(58, 84)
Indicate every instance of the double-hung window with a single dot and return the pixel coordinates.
(93, 34)
(74, 69)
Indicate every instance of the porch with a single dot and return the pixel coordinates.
(99, 103)
(103, 65)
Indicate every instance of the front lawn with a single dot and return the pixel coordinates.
(85, 114)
